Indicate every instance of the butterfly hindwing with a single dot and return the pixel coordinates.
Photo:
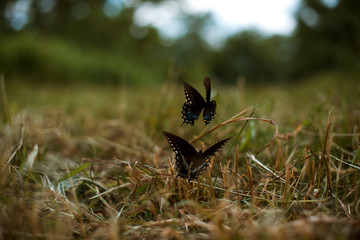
(209, 112)
(195, 171)
(190, 113)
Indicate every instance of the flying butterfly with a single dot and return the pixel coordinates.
(188, 162)
(195, 103)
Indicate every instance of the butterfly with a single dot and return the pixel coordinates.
(188, 162)
(195, 103)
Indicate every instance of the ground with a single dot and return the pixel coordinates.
(91, 162)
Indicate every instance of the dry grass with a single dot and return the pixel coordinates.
(91, 163)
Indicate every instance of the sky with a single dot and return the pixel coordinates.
(267, 16)
(230, 16)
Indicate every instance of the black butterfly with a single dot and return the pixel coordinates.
(189, 162)
(195, 103)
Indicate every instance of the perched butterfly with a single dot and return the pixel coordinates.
(189, 162)
(195, 103)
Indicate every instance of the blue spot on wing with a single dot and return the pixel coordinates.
(209, 112)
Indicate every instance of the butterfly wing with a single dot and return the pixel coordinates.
(207, 85)
(184, 153)
(201, 163)
(214, 148)
(210, 107)
(193, 105)
(209, 112)
(198, 166)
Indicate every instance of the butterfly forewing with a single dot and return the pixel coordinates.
(184, 153)
(193, 97)
(205, 159)
(193, 105)
(214, 148)
(207, 85)
(210, 107)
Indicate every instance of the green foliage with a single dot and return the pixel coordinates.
(51, 60)
(327, 38)
(76, 41)
(253, 57)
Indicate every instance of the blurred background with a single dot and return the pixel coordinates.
(137, 42)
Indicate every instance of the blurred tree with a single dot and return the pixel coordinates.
(190, 51)
(95, 23)
(100, 41)
(327, 36)
(252, 56)
(93, 28)
(55, 15)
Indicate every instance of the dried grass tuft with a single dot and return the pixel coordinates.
(99, 168)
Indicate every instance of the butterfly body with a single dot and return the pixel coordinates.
(195, 103)
(188, 162)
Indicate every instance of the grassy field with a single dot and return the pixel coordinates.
(91, 162)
